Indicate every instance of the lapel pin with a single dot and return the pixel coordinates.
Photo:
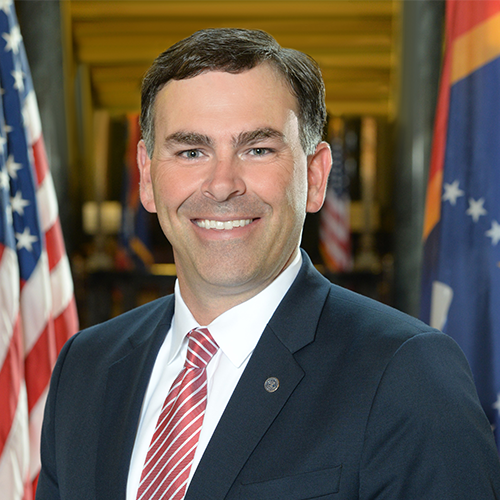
(271, 384)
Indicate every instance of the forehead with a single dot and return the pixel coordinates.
(218, 98)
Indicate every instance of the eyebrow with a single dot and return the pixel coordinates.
(242, 139)
(253, 136)
(188, 139)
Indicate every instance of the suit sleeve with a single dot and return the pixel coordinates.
(48, 486)
(427, 436)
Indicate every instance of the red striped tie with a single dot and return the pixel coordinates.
(174, 442)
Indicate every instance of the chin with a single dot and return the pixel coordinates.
(234, 276)
(230, 280)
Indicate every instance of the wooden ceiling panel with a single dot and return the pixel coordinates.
(101, 9)
(127, 43)
(355, 43)
(184, 27)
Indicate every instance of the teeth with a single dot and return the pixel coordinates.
(221, 225)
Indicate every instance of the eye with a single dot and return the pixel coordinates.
(191, 154)
(260, 151)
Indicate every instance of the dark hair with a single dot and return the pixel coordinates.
(234, 51)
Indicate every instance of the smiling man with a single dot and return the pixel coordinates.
(257, 379)
(230, 182)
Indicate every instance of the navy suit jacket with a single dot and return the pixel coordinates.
(371, 404)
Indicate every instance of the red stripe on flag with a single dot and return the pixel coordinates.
(334, 265)
(434, 187)
(39, 363)
(54, 244)
(335, 244)
(33, 486)
(333, 236)
(40, 156)
(466, 14)
(11, 374)
(66, 323)
(339, 217)
(341, 248)
(29, 490)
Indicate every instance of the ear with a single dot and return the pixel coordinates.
(318, 170)
(146, 186)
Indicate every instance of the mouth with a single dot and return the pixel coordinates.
(222, 225)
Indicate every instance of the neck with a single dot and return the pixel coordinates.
(205, 307)
(207, 301)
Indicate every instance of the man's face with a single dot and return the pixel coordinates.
(229, 180)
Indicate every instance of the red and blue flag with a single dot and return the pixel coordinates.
(461, 271)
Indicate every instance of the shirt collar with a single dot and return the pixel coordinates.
(237, 330)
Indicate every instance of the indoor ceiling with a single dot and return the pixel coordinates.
(355, 42)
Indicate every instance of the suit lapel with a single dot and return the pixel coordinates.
(126, 384)
(248, 415)
(252, 409)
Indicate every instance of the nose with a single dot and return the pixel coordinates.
(225, 180)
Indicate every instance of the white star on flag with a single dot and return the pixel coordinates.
(494, 232)
(9, 215)
(26, 239)
(4, 179)
(452, 192)
(19, 79)
(25, 112)
(476, 209)
(13, 39)
(496, 404)
(12, 166)
(18, 203)
(5, 5)
(3, 141)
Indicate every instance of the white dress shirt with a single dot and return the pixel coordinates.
(237, 332)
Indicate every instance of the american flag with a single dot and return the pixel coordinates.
(37, 306)
(335, 235)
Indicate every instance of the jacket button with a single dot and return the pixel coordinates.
(271, 384)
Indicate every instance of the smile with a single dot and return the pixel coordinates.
(222, 225)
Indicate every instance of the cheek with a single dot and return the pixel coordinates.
(285, 189)
(172, 187)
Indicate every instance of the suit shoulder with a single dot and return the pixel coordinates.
(344, 303)
(367, 325)
(135, 324)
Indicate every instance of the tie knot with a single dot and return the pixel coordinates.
(201, 348)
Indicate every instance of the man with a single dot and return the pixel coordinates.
(305, 390)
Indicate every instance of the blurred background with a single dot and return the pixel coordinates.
(412, 211)
(381, 63)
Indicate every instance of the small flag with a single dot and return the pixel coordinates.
(334, 232)
(37, 307)
(461, 272)
(135, 229)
